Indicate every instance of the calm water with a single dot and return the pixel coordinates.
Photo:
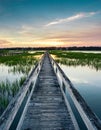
(87, 51)
(7, 74)
(88, 82)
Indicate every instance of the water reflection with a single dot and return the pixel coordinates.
(88, 82)
(20, 69)
(11, 79)
(14, 68)
(6, 73)
(95, 63)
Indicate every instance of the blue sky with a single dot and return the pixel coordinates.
(50, 23)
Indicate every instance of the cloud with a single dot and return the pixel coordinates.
(27, 27)
(72, 18)
(77, 37)
(26, 30)
(4, 43)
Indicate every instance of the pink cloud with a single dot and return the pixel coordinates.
(4, 43)
(71, 18)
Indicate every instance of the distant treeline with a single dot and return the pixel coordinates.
(83, 48)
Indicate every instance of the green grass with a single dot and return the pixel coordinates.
(23, 59)
(3, 104)
(78, 58)
(20, 63)
(76, 55)
(8, 90)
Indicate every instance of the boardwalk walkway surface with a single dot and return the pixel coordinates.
(46, 109)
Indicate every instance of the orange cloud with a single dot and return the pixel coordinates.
(4, 43)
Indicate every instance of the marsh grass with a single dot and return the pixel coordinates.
(18, 63)
(3, 104)
(15, 60)
(21, 59)
(21, 63)
(8, 90)
(78, 58)
(21, 69)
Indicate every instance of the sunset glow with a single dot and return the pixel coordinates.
(50, 23)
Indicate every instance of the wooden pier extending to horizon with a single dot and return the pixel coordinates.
(42, 104)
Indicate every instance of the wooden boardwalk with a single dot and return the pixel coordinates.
(46, 108)
(42, 104)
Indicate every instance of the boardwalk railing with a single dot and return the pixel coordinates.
(91, 121)
(10, 113)
(20, 124)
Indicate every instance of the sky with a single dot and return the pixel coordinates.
(50, 23)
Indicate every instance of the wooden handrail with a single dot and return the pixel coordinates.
(9, 114)
(90, 119)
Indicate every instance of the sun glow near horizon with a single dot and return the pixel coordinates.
(34, 44)
(50, 23)
(48, 43)
(45, 43)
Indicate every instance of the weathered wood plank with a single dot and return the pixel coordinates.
(47, 109)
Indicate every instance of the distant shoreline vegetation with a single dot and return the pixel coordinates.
(78, 58)
(82, 48)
